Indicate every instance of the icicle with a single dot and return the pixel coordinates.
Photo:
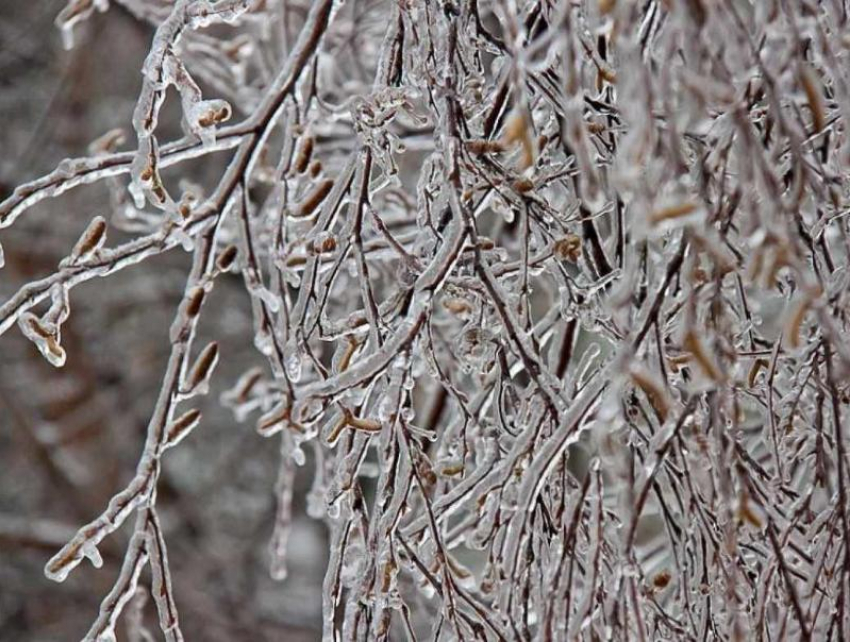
(91, 553)
(283, 519)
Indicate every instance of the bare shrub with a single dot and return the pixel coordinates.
(550, 294)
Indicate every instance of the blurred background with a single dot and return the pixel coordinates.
(71, 437)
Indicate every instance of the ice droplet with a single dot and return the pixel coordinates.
(91, 553)
(292, 362)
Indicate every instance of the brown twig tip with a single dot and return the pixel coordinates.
(108, 142)
(523, 185)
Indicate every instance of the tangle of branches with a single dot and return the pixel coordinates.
(550, 297)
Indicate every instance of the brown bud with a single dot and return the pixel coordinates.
(758, 364)
(194, 301)
(653, 390)
(92, 238)
(226, 258)
(485, 146)
(672, 212)
(247, 382)
(693, 345)
(302, 161)
(814, 96)
(274, 420)
(568, 248)
(314, 198)
(662, 579)
(182, 426)
(203, 366)
(456, 305)
(325, 245)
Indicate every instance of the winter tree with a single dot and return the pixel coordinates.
(521, 320)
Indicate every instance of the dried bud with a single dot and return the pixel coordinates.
(246, 384)
(178, 429)
(693, 345)
(203, 367)
(108, 142)
(226, 257)
(92, 239)
(456, 305)
(814, 96)
(518, 129)
(568, 248)
(452, 470)
(672, 212)
(274, 420)
(314, 198)
(325, 244)
(661, 580)
(214, 112)
(746, 512)
(485, 146)
(302, 161)
(757, 366)
(194, 301)
(653, 389)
